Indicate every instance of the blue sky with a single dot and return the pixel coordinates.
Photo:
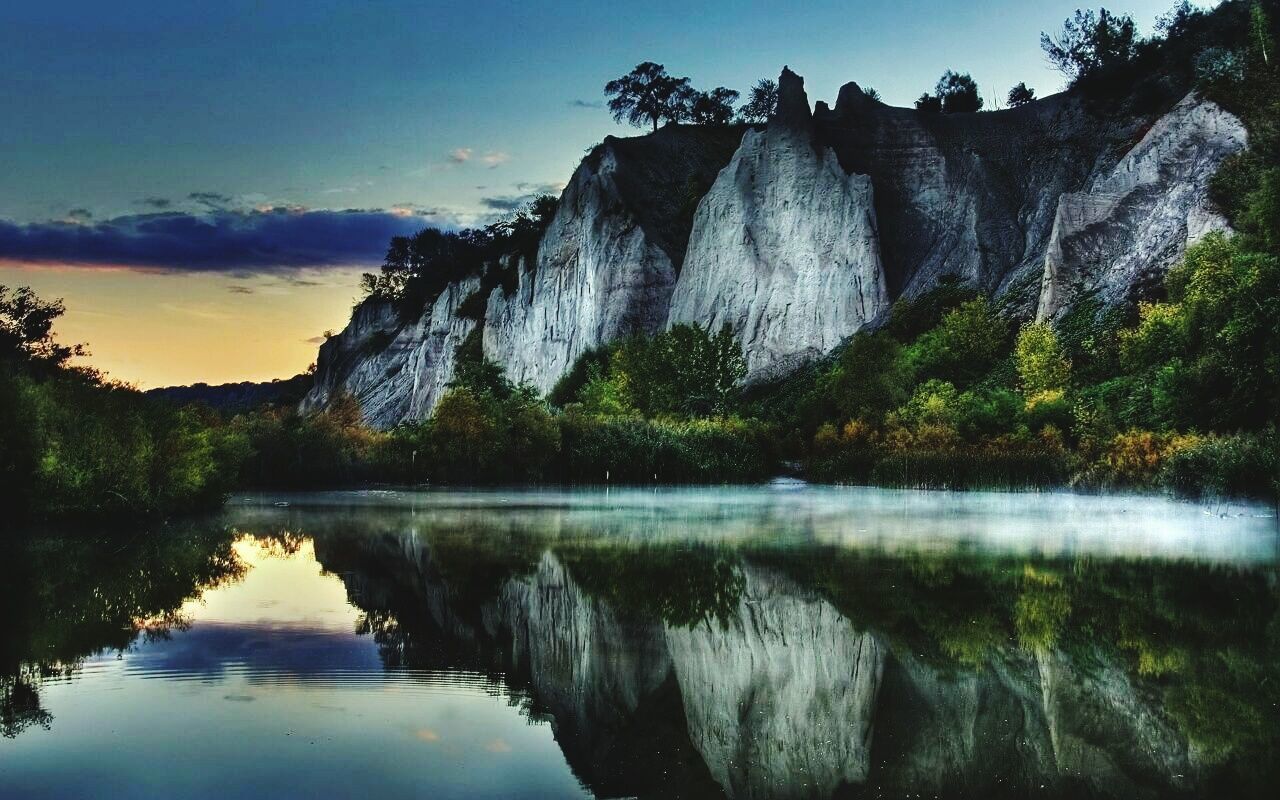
(250, 125)
(344, 104)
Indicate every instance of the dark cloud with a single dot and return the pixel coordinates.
(238, 289)
(211, 199)
(527, 193)
(239, 243)
(316, 340)
(505, 202)
(156, 202)
(80, 213)
(586, 104)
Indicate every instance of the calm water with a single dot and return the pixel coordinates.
(781, 641)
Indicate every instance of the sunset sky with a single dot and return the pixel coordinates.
(204, 182)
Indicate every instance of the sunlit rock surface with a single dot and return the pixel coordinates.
(608, 263)
(780, 696)
(784, 248)
(801, 232)
(395, 370)
(1122, 233)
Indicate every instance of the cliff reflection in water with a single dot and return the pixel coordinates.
(762, 662)
(780, 645)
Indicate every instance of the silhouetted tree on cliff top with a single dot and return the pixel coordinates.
(648, 94)
(763, 102)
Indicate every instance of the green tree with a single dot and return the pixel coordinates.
(1042, 365)
(648, 94)
(870, 378)
(964, 346)
(685, 370)
(763, 103)
(1090, 42)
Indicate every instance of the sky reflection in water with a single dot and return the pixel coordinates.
(784, 641)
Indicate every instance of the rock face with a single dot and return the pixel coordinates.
(395, 371)
(1133, 222)
(784, 248)
(598, 276)
(801, 232)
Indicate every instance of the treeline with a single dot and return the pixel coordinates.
(73, 444)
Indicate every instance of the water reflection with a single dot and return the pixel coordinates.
(740, 643)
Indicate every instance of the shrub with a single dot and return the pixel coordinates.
(1225, 466)
(1042, 365)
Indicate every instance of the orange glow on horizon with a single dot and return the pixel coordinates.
(153, 327)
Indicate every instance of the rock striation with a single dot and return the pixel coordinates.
(784, 248)
(1122, 233)
(395, 371)
(798, 233)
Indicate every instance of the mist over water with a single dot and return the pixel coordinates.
(776, 641)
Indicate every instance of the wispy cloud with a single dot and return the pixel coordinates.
(196, 312)
(586, 104)
(495, 158)
(155, 202)
(236, 288)
(460, 155)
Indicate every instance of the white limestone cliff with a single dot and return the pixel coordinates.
(784, 248)
(1133, 222)
(599, 276)
(394, 370)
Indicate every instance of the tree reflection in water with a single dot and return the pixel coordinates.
(745, 667)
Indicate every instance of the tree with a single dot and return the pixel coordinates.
(1020, 95)
(686, 370)
(714, 107)
(647, 94)
(26, 329)
(929, 104)
(763, 103)
(954, 93)
(1042, 364)
(871, 93)
(1090, 42)
(958, 93)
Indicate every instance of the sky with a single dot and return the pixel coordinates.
(203, 183)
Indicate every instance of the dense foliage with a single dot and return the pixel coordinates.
(418, 268)
(74, 444)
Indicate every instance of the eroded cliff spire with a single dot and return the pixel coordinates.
(793, 103)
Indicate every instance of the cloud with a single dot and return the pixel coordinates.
(460, 155)
(156, 202)
(526, 194)
(240, 243)
(210, 199)
(586, 104)
(316, 340)
(495, 158)
(238, 289)
(80, 214)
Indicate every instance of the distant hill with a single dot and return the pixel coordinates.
(236, 397)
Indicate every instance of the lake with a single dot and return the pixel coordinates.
(782, 641)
